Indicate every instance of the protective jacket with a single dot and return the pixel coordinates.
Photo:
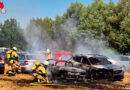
(9, 54)
(39, 69)
(40, 74)
(49, 56)
(12, 55)
(13, 63)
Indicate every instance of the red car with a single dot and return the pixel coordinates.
(60, 58)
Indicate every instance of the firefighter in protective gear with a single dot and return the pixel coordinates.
(39, 72)
(7, 61)
(13, 63)
(49, 54)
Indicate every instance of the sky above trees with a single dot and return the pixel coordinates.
(23, 10)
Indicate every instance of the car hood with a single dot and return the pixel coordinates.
(72, 69)
(114, 67)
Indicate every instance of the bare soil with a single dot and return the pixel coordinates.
(22, 82)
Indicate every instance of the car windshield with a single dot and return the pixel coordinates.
(35, 57)
(99, 61)
(124, 58)
(65, 57)
(21, 57)
(3, 50)
(31, 57)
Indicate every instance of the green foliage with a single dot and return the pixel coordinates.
(108, 22)
(10, 35)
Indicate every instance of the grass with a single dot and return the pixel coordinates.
(22, 82)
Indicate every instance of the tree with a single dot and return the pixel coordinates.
(108, 22)
(11, 35)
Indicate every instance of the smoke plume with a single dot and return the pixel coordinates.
(68, 40)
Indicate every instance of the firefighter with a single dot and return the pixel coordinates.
(13, 62)
(39, 72)
(49, 54)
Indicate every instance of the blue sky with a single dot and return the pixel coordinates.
(23, 10)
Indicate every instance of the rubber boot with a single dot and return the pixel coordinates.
(10, 73)
(19, 71)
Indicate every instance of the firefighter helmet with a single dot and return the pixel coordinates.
(14, 48)
(48, 51)
(46, 63)
(37, 63)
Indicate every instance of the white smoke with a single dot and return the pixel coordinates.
(34, 38)
(87, 45)
(35, 41)
(95, 46)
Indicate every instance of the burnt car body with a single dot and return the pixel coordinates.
(97, 67)
(66, 73)
(84, 67)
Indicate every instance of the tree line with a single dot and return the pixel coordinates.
(107, 22)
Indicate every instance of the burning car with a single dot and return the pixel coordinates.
(60, 58)
(91, 66)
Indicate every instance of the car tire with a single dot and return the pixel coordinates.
(1, 72)
(109, 75)
(94, 75)
(85, 80)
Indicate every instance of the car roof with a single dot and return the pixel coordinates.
(28, 53)
(91, 55)
(62, 53)
(3, 48)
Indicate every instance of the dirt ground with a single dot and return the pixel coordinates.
(22, 82)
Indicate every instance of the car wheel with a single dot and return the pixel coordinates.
(85, 80)
(109, 75)
(94, 75)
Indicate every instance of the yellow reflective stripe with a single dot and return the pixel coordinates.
(34, 67)
(9, 53)
(42, 69)
(39, 80)
(11, 61)
(14, 54)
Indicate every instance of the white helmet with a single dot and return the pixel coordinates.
(48, 51)
(46, 63)
(14, 48)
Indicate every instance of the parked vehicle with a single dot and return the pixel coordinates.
(66, 73)
(82, 67)
(123, 61)
(60, 56)
(27, 61)
(3, 49)
(2, 61)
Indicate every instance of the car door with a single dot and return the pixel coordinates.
(85, 63)
(77, 61)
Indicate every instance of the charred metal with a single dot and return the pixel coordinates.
(84, 67)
